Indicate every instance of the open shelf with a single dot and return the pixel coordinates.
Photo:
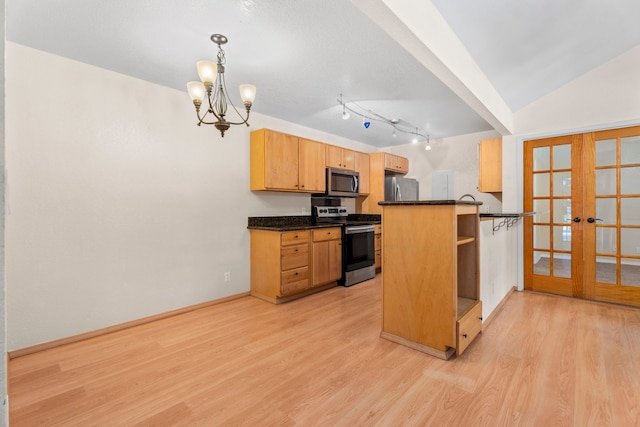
(464, 305)
(465, 239)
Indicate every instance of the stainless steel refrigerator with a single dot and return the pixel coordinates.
(399, 188)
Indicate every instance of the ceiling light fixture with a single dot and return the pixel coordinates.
(345, 113)
(428, 146)
(368, 116)
(214, 86)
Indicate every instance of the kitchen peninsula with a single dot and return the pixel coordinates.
(430, 274)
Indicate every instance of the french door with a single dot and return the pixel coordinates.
(584, 238)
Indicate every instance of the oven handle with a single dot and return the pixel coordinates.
(354, 229)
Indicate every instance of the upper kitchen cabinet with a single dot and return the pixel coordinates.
(311, 171)
(490, 166)
(338, 157)
(283, 162)
(362, 167)
(395, 163)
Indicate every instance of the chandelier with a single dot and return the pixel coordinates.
(213, 85)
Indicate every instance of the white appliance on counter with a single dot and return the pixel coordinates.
(400, 189)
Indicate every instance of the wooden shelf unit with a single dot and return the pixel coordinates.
(430, 276)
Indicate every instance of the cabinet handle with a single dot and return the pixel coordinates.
(480, 318)
(464, 335)
(296, 250)
(297, 274)
(302, 186)
(592, 220)
(577, 219)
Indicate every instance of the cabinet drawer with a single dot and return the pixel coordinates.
(294, 257)
(294, 275)
(294, 280)
(294, 237)
(323, 234)
(469, 326)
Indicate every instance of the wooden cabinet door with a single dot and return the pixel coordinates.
(320, 263)
(403, 164)
(281, 161)
(362, 167)
(396, 163)
(335, 260)
(348, 159)
(490, 166)
(338, 157)
(327, 255)
(311, 169)
(333, 156)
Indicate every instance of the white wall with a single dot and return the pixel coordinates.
(4, 408)
(118, 205)
(606, 97)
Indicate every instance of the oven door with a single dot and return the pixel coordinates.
(358, 247)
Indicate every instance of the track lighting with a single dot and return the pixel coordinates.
(368, 116)
(428, 146)
(345, 113)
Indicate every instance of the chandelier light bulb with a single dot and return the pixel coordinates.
(345, 114)
(428, 147)
(207, 71)
(196, 91)
(247, 93)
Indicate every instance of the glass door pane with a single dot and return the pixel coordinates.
(616, 223)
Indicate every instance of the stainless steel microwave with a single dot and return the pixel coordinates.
(343, 183)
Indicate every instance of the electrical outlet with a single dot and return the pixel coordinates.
(227, 276)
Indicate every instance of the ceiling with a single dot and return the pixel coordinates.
(302, 54)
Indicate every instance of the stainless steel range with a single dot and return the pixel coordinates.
(358, 247)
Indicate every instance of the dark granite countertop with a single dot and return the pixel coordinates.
(490, 215)
(430, 202)
(302, 222)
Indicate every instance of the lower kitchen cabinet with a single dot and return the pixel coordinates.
(327, 255)
(281, 263)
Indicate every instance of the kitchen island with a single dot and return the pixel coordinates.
(430, 275)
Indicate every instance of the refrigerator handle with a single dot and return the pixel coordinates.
(398, 193)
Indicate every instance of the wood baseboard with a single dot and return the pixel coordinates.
(498, 308)
(444, 355)
(91, 334)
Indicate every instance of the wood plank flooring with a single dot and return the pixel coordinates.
(542, 361)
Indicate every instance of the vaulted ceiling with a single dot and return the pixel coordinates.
(444, 67)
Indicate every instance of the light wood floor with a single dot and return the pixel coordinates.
(542, 361)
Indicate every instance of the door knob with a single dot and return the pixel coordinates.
(577, 219)
(592, 220)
